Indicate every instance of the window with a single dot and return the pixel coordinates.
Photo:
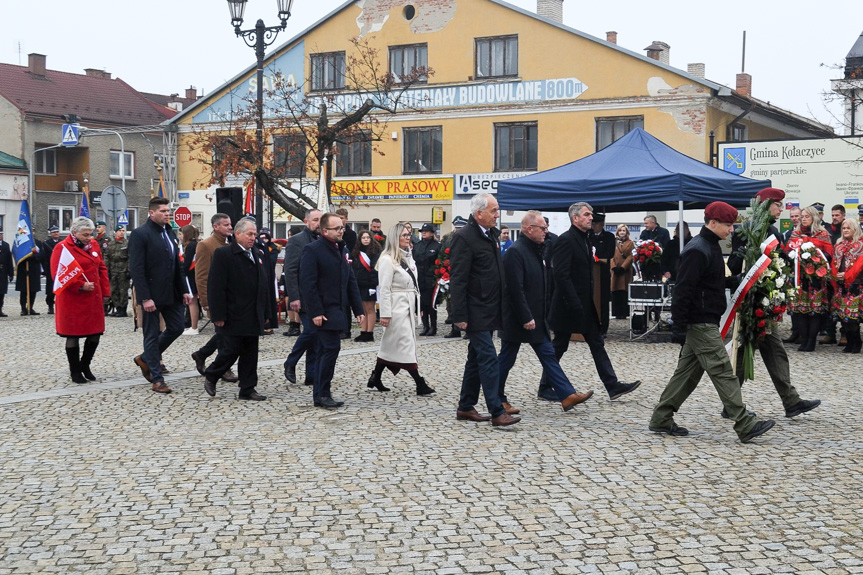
(46, 162)
(128, 168)
(497, 56)
(515, 147)
(404, 60)
(61, 216)
(328, 71)
(738, 132)
(423, 150)
(290, 155)
(609, 130)
(354, 157)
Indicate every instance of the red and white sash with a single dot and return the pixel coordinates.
(749, 280)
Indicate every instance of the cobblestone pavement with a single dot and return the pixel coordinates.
(112, 478)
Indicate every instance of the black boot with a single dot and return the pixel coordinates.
(423, 388)
(361, 337)
(375, 381)
(24, 311)
(75, 365)
(432, 324)
(858, 343)
(50, 309)
(456, 332)
(87, 357)
(425, 320)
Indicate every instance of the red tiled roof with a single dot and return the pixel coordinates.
(109, 101)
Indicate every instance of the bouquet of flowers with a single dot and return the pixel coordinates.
(647, 251)
(813, 264)
(442, 272)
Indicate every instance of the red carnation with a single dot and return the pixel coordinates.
(821, 272)
(446, 263)
(778, 310)
(759, 312)
(809, 270)
(762, 323)
(446, 250)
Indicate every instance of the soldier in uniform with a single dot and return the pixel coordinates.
(116, 254)
(425, 253)
(7, 270)
(53, 240)
(102, 236)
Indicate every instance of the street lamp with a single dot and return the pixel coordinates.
(259, 38)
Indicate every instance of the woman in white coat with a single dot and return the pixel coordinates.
(398, 297)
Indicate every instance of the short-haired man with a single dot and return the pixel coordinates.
(239, 289)
(697, 306)
(572, 307)
(603, 243)
(219, 238)
(7, 270)
(305, 343)
(326, 280)
(160, 287)
(476, 288)
(794, 216)
(350, 236)
(426, 253)
(50, 243)
(505, 242)
(377, 233)
(837, 216)
(653, 231)
(525, 309)
(116, 258)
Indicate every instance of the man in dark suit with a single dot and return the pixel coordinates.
(525, 309)
(239, 291)
(326, 282)
(305, 343)
(426, 253)
(603, 244)
(7, 270)
(50, 243)
(653, 231)
(476, 288)
(160, 286)
(572, 308)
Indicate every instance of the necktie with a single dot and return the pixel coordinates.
(251, 257)
(168, 242)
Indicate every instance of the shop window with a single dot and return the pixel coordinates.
(515, 147)
(423, 150)
(497, 56)
(61, 216)
(609, 130)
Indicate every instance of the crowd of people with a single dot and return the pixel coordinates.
(538, 289)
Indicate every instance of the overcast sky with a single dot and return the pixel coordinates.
(166, 46)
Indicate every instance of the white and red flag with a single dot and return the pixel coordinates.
(67, 269)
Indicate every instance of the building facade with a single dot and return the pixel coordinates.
(512, 92)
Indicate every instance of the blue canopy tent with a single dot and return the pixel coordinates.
(635, 171)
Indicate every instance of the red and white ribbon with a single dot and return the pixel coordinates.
(749, 280)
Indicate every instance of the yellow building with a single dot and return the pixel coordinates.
(511, 92)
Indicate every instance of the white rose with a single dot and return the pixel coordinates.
(805, 255)
(780, 281)
(765, 302)
(807, 246)
(781, 296)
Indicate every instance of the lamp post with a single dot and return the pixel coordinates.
(259, 38)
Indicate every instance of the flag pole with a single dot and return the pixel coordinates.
(27, 271)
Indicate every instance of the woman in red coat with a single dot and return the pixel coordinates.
(80, 304)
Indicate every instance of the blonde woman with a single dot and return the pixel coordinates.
(621, 272)
(399, 307)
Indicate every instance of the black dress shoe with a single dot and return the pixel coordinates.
(454, 333)
(308, 381)
(346, 335)
(3, 314)
(252, 396)
(199, 362)
(34, 312)
(291, 373)
(25, 312)
(230, 377)
(623, 389)
(210, 387)
(329, 403)
(758, 429)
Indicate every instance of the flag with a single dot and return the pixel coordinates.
(323, 197)
(23, 244)
(160, 191)
(85, 203)
(249, 206)
(67, 269)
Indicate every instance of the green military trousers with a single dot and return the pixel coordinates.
(776, 361)
(703, 352)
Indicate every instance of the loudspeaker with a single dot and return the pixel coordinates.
(230, 201)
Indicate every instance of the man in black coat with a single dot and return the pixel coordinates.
(603, 244)
(7, 270)
(525, 309)
(572, 308)
(30, 268)
(425, 253)
(326, 282)
(160, 287)
(238, 289)
(476, 288)
(653, 231)
(305, 343)
(50, 243)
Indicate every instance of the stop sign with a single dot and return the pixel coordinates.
(183, 217)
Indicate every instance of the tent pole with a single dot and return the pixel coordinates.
(680, 223)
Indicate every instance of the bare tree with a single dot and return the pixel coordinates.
(302, 132)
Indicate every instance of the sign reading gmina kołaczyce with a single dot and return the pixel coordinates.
(826, 171)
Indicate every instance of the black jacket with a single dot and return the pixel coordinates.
(699, 293)
(327, 284)
(349, 238)
(572, 309)
(156, 270)
(658, 234)
(366, 279)
(670, 258)
(293, 251)
(238, 290)
(425, 254)
(33, 270)
(526, 294)
(7, 269)
(476, 278)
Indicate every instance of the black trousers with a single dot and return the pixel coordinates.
(210, 347)
(328, 343)
(231, 347)
(594, 341)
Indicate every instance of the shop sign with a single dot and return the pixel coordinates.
(399, 190)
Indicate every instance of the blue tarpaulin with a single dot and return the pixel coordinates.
(637, 172)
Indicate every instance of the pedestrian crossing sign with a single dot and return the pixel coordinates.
(70, 135)
(124, 219)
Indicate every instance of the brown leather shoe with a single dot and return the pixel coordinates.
(574, 399)
(145, 371)
(510, 409)
(505, 419)
(160, 387)
(230, 377)
(472, 415)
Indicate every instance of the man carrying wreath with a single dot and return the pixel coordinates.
(772, 351)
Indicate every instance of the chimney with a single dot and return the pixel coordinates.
(744, 84)
(611, 37)
(696, 70)
(94, 73)
(550, 9)
(191, 93)
(36, 64)
(659, 51)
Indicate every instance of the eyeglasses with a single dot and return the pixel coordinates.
(338, 229)
(543, 228)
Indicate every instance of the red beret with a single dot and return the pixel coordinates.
(770, 194)
(721, 212)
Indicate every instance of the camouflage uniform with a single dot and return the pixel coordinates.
(116, 254)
